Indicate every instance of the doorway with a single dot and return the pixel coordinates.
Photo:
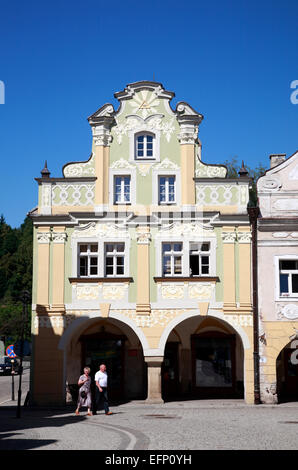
(108, 349)
(213, 365)
(170, 372)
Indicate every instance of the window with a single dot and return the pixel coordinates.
(88, 260)
(172, 259)
(122, 189)
(144, 146)
(199, 254)
(114, 259)
(167, 185)
(288, 278)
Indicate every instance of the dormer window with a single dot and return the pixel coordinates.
(144, 146)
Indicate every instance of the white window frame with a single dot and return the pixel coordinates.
(133, 134)
(200, 254)
(122, 192)
(172, 254)
(114, 255)
(89, 254)
(101, 255)
(278, 296)
(145, 136)
(156, 174)
(186, 243)
(167, 193)
(133, 185)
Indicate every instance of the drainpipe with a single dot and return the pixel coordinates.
(253, 213)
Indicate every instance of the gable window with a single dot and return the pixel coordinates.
(172, 259)
(144, 144)
(288, 278)
(199, 259)
(88, 260)
(167, 189)
(122, 189)
(114, 259)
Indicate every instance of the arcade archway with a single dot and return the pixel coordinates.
(204, 358)
(115, 344)
(287, 374)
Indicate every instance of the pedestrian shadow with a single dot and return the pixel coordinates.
(11, 427)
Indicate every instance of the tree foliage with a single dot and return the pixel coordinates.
(234, 167)
(16, 253)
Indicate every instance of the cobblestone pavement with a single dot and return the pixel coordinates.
(191, 425)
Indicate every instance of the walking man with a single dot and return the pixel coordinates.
(101, 383)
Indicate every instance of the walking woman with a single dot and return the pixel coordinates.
(84, 398)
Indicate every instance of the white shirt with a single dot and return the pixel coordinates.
(101, 378)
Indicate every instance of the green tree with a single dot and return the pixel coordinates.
(234, 167)
(16, 247)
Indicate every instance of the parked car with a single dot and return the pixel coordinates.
(7, 366)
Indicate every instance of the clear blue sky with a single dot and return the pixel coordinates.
(232, 60)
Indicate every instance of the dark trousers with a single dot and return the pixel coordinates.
(101, 396)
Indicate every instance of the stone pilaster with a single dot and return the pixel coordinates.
(143, 271)
(154, 380)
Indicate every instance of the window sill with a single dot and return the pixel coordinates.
(187, 279)
(172, 203)
(74, 280)
(127, 203)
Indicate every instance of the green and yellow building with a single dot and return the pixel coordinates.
(142, 260)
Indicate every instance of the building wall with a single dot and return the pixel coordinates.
(277, 240)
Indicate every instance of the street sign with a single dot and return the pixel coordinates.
(10, 352)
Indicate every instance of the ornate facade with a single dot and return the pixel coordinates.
(142, 260)
(278, 279)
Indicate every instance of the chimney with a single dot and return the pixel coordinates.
(276, 159)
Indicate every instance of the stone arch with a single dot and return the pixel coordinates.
(81, 331)
(286, 363)
(185, 316)
(81, 321)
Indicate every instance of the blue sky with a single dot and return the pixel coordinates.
(232, 60)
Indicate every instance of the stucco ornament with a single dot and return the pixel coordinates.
(191, 230)
(172, 292)
(290, 311)
(73, 194)
(112, 292)
(80, 169)
(87, 292)
(200, 291)
(122, 164)
(94, 229)
(209, 171)
(269, 183)
(145, 103)
(152, 123)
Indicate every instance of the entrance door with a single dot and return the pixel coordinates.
(213, 365)
(170, 371)
(109, 350)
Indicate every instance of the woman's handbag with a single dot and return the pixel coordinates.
(83, 394)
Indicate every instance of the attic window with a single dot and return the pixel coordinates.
(144, 146)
